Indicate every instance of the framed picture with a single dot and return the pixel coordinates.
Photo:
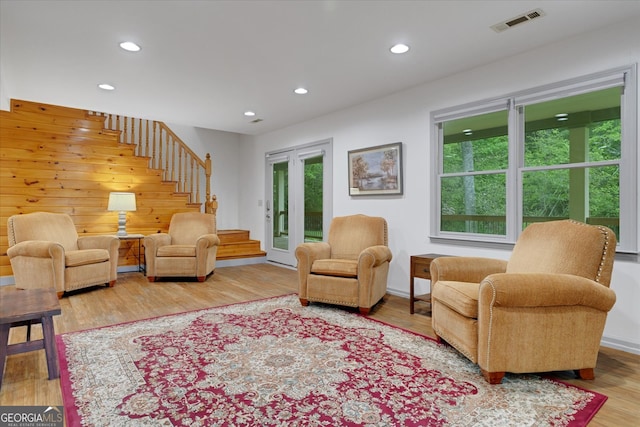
(376, 170)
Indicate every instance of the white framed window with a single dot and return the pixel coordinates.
(566, 150)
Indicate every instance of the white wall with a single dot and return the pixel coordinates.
(5, 102)
(405, 117)
(224, 148)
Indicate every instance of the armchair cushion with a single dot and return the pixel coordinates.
(177, 250)
(459, 296)
(85, 257)
(335, 267)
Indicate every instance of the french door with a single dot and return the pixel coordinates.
(298, 199)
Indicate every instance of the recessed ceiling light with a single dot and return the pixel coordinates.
(301, 91)
(130, 46)
(106, 86)
(399, 48)
(249, 113)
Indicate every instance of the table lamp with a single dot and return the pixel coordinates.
(122, 203)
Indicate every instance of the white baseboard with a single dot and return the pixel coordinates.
(7, 280)
(240, 261)
(617, 344)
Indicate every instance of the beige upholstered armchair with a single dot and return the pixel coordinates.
(351, 268)
(543, 310)
(46, 252)
(188, 250)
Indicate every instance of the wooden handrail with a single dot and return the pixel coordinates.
(167, 152)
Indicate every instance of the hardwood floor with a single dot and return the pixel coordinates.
(133, 298)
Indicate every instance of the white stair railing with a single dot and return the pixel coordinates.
(167, 152)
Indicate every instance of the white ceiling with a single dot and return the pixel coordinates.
(203, 63)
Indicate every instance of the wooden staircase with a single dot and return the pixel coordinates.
(60, 159)
(235, 244)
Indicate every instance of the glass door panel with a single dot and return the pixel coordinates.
(280, 197)
(313, 198)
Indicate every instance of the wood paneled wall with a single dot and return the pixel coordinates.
(59, 159)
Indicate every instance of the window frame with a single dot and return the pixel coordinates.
(624, 77)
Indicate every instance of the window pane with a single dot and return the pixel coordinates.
(581, 128)
(477, 143)
(474, 204)
(589, 195)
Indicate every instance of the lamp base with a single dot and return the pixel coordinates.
(122, 221)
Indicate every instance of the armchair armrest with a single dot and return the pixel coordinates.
(36, 248)
(373, 256)
(207, 241)
(544, 290)
(28, 260)
(307, 253)
(153, 241)
(465, 269)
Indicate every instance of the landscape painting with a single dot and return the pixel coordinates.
(376, 170)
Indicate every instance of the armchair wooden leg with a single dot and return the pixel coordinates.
(492, 377)
(112, 283)
(201, 278)
(585, 374)
(304, 302)
(364, 310)
(151, 278)
(60, 294)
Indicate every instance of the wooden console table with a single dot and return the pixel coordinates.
(20, 307)
(420, 267)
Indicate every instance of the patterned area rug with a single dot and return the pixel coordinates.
(275, 363)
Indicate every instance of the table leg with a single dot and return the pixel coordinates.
(4, 344)
(411, 294)
(50, 347)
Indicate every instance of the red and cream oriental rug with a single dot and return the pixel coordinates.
(275, 363)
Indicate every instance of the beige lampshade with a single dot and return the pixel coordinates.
(122, 202)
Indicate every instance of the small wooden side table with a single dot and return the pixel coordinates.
(139, 256)
(420, 267)
(19, 307)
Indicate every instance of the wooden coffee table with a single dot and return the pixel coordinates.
(19, 307)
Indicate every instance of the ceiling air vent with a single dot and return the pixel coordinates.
(500, 27)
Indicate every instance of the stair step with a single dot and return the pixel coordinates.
(233, 236)
(237, 244)
(78, 123)
(22, 127)
(18, 105)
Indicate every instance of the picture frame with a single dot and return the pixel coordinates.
(376, 170)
